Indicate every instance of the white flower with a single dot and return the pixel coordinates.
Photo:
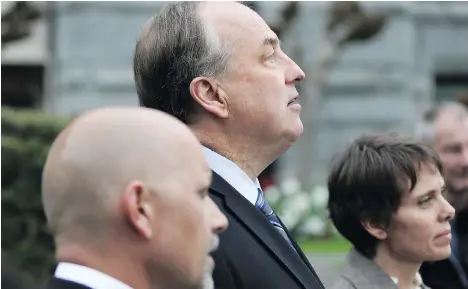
(290, 186)
(319, 197)
(294, 208)
(315, 226)
(290, 218)
(289, 212)
(301, 202)
(272, 194)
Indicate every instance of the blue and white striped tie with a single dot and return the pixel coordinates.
(265, 208)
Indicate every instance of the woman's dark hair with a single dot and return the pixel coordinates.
(367, 182)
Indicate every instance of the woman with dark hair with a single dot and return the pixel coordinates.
(385, 197)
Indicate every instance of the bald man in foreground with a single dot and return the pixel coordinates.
(125, 193)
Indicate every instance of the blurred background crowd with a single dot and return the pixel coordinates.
(371, 67)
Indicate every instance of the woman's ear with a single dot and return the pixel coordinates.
(377, 231)
(210, 96)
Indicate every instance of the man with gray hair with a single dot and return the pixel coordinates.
(219, 68)
(125, 193)
(446, 127)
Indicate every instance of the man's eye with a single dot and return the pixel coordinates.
(271, 57)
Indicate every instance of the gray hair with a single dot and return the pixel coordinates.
(425, 129)
(175, 47)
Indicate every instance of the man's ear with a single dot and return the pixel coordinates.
(209, 95)
(377, 231)
(138, 209)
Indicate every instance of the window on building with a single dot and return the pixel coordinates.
(22, 85)
(452, 87)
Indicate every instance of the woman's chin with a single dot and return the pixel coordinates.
(440, 254)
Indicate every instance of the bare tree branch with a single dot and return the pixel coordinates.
(16, 23)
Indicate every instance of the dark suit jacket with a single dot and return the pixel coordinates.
(360, 272)
(442, 275)
(252, 254)
(56, 283)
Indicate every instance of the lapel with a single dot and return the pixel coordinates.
(56, 283)
(365, 274)
(259, 226)
(298, 249)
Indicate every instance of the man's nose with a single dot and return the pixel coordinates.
(464, 156)
(299, 73)
(218, 220)
(293, 72)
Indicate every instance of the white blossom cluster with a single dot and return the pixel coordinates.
(304, 212)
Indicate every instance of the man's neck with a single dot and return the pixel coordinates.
(109, 264)
(246, 164)
(404, 271)
(250, 158)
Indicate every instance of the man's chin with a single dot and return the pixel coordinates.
(294, 132)
(208, 282)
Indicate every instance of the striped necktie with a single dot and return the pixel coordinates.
(265, 208)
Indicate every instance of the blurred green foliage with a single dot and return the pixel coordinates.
(323, 246)
(26, 139)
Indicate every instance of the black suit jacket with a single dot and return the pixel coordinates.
(252, 254)
(441, 275)
(56, 283)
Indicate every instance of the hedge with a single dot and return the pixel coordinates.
(26, 138)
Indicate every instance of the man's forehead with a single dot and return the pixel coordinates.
(232, 16)
(464, 124)
(201, 167)
(226, 7)
(450, 124)
(209, 176)
(203, 177)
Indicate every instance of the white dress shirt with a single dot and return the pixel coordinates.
(88, 277)
(234, 175)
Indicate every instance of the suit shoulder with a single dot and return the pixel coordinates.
(343, 283)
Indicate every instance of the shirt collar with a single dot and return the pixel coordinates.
(87, 277)
(417, 281)
(232, 174)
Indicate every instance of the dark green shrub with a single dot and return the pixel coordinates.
(26, 138)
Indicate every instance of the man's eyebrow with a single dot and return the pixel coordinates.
(271, 41)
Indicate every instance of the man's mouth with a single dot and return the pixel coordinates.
(462, 174)
(214, 245)
(292, 101)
